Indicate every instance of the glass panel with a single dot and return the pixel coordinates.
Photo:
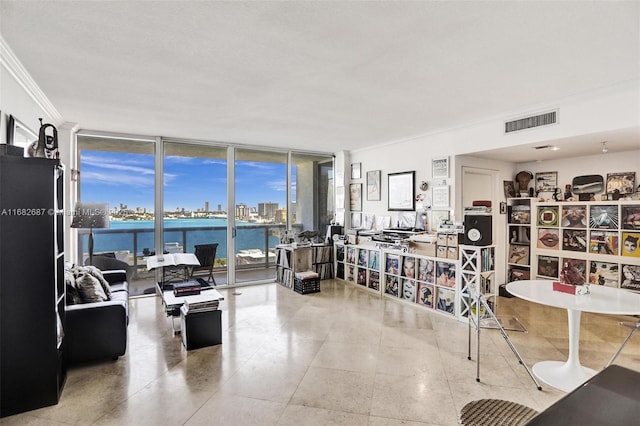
(120, 173)
(260, 211)
(195, 206)
(312, 193)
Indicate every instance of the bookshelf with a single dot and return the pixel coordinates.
(323, 260)
(359, 264)
(598, 238)
(519, 239)
(290, 260)
(477, 272)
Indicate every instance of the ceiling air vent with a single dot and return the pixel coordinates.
(529, 122)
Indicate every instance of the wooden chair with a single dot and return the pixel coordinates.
(206, 254)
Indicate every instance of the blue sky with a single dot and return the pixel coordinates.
(127, 178)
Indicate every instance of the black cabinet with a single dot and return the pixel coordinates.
(32, 290)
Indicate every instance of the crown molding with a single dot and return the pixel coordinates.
(13, 65)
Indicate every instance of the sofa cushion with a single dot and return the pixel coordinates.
(73, 297)
(97, 274)
(90, 289)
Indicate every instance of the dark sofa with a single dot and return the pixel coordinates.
(98, 330)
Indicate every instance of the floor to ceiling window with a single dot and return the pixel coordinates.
(120, 172)
(195, 201)
(243, 209)
(260, 211)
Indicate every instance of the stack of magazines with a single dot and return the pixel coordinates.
(211, 305)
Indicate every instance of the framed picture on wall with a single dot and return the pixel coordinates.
(355, 197)
(546, 181)
(373, 185)
(440, 168)
(440, 196)
(401, 190)
(622, 182)
(356, 170)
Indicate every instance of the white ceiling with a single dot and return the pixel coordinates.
(321, 76)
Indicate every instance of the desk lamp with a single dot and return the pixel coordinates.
(90, 216)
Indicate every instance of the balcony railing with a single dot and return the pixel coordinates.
(135, 244)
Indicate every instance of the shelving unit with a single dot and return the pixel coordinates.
(477, 275)
(431, 282)
(519, 239)
(323, 260)
(32, 289)
(359, 264)
(588, 236)
(289, 260)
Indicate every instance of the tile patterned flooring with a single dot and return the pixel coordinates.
(341, 356)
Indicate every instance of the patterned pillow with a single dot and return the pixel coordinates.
(97, 273)
(90, 289)
(73, 297)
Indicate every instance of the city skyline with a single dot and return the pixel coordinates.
(128, 178)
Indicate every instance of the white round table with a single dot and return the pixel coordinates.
(568, 375)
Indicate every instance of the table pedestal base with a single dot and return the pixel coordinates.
(565, 376)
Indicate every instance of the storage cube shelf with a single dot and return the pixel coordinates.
(477, 277)
(427, 281)
(293, 259)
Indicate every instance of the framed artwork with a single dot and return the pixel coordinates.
(440, 196)
(630, 242)
(356, 170)
(440, 168)
(401, 190)
(546, 181)
(630, 217)
(356, 220)
(373, 185)
(355, 197)
(624, 183)
(509, 189)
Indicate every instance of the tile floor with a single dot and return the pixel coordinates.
(342, 356)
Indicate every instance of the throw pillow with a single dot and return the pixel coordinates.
(73, 297)
(90, 289)
(97, 273)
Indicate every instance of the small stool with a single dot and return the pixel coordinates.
(495, 412)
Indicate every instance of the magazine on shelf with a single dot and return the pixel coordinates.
(604, 273)
(630, 277)
(446, 274)
(519, 254)
(393, 262)
(426, 269)
(362, 257)
(425, 294)
(374, 280)
(604, 217)
(574, 240)
(362, 277)
(408, 290)
(548, 266)
(172, 259)
(445, 300)
(391, 285)
(604, 242)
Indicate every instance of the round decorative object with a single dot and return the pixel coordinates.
(548, 216)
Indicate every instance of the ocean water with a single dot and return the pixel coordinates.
(187, 232)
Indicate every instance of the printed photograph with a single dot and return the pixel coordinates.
(548, 266)
(604, 242)
(409, 267)
(446, 274)
(603, 217)
(548, 238)
(604, 273)
(630, 217)
(630, 244)
(425, 294)
(426, 269)
(409, 290)
(392, 264)
(574, 216)
(630, 277)
(574, 240)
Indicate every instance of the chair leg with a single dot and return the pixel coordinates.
(633, 330)
(211, 278)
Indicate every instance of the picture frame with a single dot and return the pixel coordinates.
(355, 197)
(356, 170)
(623, 182)
(440, 196)
(374, 185)
(18, 134)
(401, 190)
(440, 168)
(436, 217)
(546, 181)
(509, 189)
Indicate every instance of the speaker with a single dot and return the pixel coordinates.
(478, 230)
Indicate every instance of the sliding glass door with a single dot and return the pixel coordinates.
(195, 203)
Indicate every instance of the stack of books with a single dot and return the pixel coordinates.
(186, 289)
(211, 305)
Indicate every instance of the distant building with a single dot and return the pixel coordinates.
(242, 211)
(267, 210)
(206, 206)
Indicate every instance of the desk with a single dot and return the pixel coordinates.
(611, 397)
(568, 375)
